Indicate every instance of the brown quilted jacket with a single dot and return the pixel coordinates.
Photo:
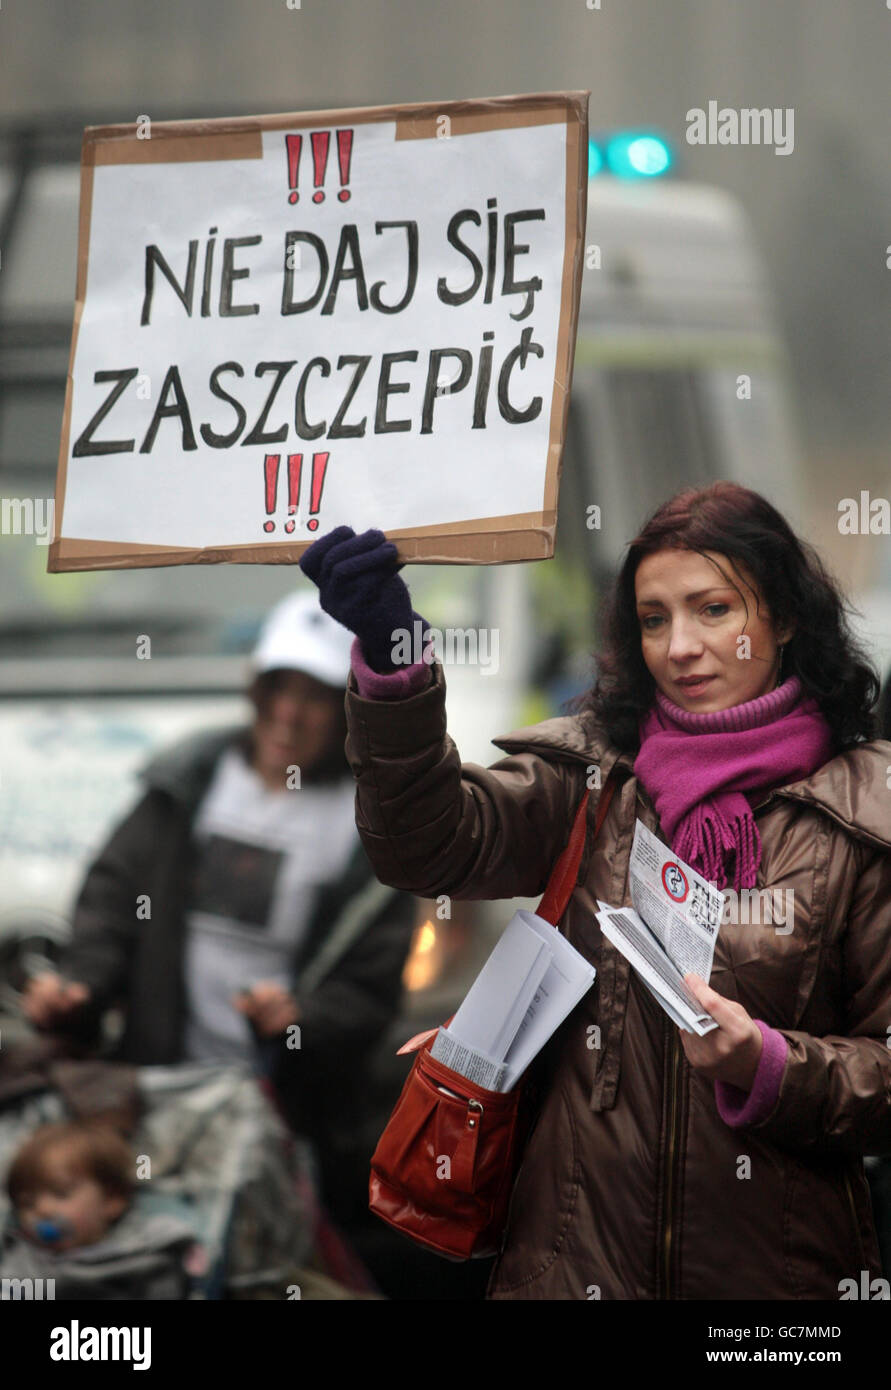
(632, 1186)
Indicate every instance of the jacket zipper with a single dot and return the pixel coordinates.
(668, 1210)
(667, 1232)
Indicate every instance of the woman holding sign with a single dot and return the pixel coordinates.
(734, 712)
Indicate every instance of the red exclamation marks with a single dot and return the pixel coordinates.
(295, 464)
(295, 467)
(319, 465)
(293, 144)
(270, 477)
(344, 152)
(320, 140)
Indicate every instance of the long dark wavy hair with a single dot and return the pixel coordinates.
(791, 579)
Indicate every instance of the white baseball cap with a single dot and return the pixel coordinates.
(299, 636)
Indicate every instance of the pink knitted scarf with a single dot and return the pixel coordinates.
(696, 768)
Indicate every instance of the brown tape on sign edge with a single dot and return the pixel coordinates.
(240, 136)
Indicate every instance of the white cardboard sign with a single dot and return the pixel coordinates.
(287, 323)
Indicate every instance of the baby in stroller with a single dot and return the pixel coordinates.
(74, 1221)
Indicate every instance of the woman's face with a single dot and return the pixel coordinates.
(691, 622)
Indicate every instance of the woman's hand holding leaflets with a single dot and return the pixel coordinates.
(731, 1052)
(359, 586)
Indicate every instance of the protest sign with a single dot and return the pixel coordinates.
(286, 323)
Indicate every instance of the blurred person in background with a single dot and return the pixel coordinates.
(234, 915)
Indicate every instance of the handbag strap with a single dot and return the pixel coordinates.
(560, 884)
(565, 871)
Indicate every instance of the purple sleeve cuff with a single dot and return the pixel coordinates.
(735, 1106)
(397, 685)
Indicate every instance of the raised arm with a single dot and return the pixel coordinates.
(429, 823)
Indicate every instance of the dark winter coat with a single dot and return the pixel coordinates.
(632, 1186)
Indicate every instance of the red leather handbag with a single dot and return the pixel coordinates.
(444, 1167)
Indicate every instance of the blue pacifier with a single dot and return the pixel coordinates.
(50, 1232)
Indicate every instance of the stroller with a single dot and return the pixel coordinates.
(216, 1157)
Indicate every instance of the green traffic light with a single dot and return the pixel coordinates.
(632, 156)
(648, 156)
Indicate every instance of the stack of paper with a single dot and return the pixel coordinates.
(672, 929)
(529, 984)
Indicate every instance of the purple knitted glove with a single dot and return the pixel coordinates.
(359, 586)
